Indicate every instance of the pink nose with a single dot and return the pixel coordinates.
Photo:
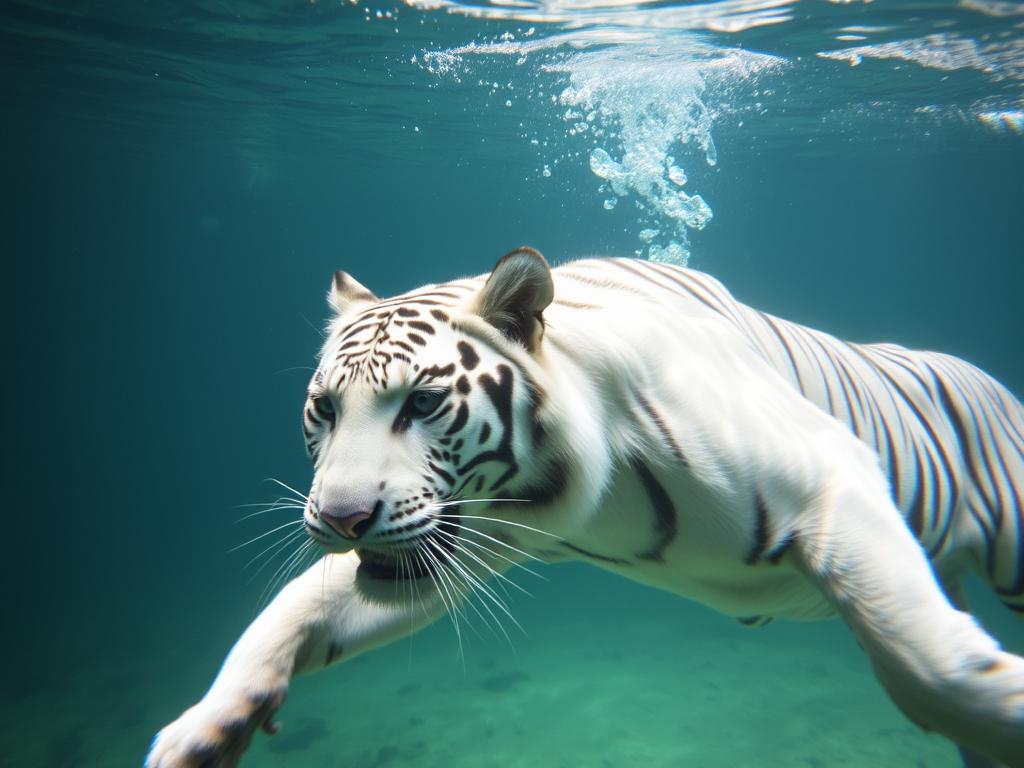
(348, 521)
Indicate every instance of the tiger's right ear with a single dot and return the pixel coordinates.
(347, 292)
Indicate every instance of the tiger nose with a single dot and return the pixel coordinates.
(350, 521)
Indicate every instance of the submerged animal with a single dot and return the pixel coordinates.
(636, 416)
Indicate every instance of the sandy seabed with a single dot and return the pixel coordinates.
(607, 674)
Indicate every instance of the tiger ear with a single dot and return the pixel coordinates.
(516, 294)
(347, 292)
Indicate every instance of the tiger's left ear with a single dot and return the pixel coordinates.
(347, 292)
(516, 294)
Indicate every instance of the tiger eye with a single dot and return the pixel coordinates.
(426, 401)
(324, 407)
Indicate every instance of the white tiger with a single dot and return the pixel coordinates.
(661, 430)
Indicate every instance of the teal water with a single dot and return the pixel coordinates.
(180, 179)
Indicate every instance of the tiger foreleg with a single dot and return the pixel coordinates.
(937, 664)
(316, 620)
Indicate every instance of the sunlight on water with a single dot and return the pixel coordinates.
(948, 52)
(722, 16)
(640, 88)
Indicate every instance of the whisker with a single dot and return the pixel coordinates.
(276, 578)
(319, 331)
(462, 595)
(483, 586)
(307, 554)
(276, 545)
(323, 580)
(455, 541)
(456, 595)
(496, 520)
(518, 551)
(271, 509)
(477, 587)
(442, 557)
(264, 535)
(405, 577)
(271, 586)
(300, 494)
(414, 583)
(278, 500)
(457, 502)
(423, 556)
(495, 553)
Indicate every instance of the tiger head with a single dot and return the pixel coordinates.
(426, 416)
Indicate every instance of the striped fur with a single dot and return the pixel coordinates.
(950, 438)
(636, 416)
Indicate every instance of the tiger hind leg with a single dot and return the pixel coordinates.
(937, 664)
(954, 590)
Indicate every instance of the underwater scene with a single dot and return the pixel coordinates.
(182, 178)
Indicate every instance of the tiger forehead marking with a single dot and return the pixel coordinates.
(377, 337)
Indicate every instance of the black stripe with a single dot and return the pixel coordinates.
(434, 372)
(953, 415)
(334, 651)
(438, 414)
(615, 286)
(946, 468)
(467, 355)
(770, 322)
(419, 325)
(500, 393)
(804, 337)
(714, 303)
(916, 510)
(666, 435)
(352, 330)
(441, 473)
(995, 504)
(594, 555)
(857, 416)
(760, 531)
(665, 523)
(461, 417)
(630, 268)
(552, 486)
(782, 547)
(922, 481)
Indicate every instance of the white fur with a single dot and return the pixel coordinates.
(744, 430)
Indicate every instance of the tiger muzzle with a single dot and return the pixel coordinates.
(351, 520)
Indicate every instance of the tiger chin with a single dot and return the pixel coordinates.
(637, 417)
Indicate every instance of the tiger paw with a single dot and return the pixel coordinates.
(215, 733)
